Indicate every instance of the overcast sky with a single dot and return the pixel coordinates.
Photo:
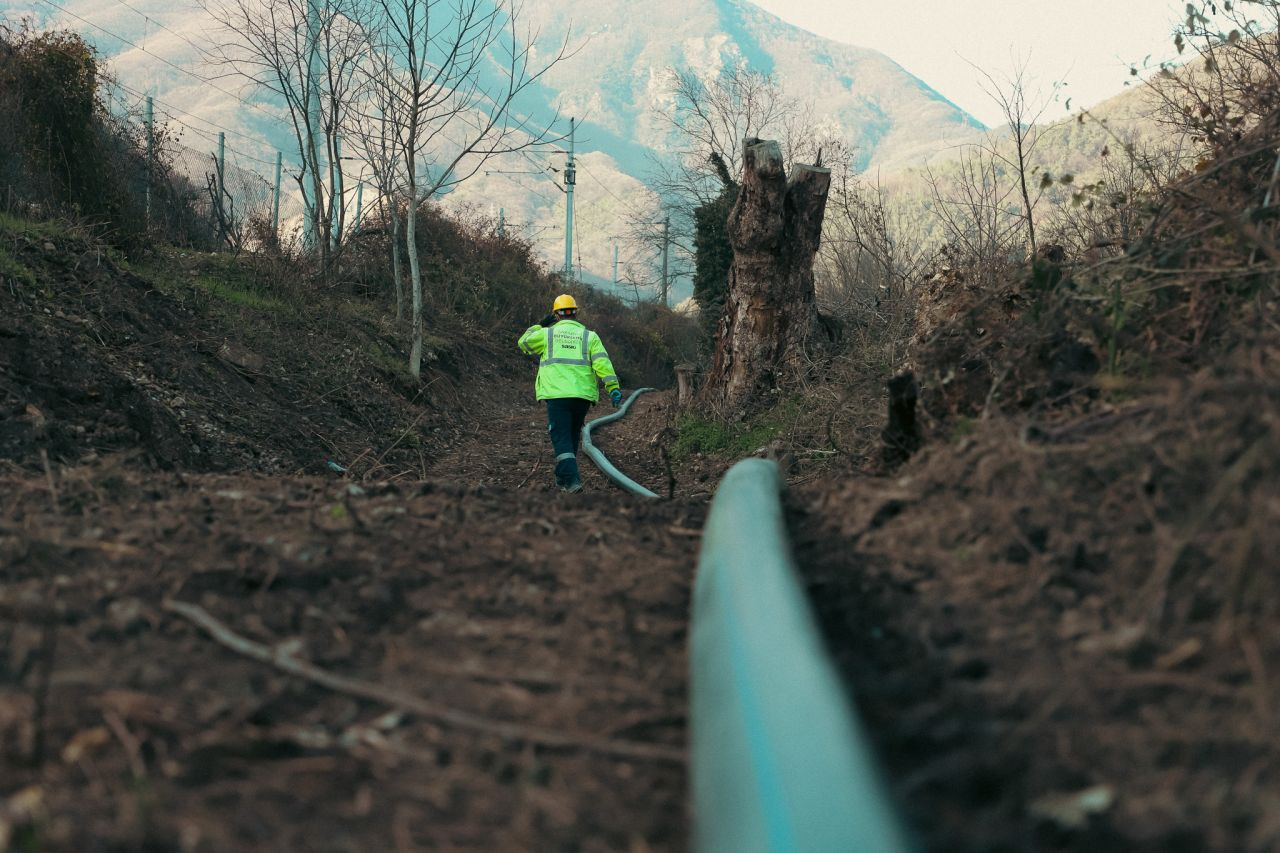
(1088, 43)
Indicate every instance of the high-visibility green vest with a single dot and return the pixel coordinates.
(571, 359)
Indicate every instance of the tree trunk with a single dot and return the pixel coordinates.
(395, 259)
(775, 227)
(415, 281)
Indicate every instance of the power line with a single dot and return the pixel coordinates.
(217, 127)
(629, 205)
(201, 131)
(160, 25)
(189, 73)
(209, 135)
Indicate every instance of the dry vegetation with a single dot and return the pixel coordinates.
(1057, 615)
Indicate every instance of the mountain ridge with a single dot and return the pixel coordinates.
(615, 84)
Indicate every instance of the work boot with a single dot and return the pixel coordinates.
(567, 476)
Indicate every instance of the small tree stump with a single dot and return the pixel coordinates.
(901, 435)
(775, 227)
(684, 383)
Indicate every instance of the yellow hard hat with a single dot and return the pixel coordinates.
(564, 301)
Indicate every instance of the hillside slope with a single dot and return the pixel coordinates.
(192, 361)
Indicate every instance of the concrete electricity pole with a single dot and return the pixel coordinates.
(570, 178)
(275, 197)
(151, 153)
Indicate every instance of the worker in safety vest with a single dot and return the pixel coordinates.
(571, 358)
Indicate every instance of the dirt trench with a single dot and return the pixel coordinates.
(484, 591)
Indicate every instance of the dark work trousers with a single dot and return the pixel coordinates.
(564, 422)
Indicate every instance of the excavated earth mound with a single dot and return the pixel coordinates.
(183, 366)
(1061, 632)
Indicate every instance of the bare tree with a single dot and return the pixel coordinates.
(374, 130)
(869, 259)
(455, 71)
(1021, 118)
(1104, 217)
(707, 118)
(1237, 80)
(973, 203)
(303, 52)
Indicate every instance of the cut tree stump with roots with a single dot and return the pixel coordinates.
(770, 310)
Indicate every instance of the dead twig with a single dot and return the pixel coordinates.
(1242, 228)
(417, 705)
(53, 486)
(532, 471)
(132, 748)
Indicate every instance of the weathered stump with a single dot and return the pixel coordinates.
(684, 382)
(901, 436)
(775, 227)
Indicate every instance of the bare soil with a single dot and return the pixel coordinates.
(507, 601)
(1057, 630)
(161, 444)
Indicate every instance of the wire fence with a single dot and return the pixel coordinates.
(249, 199)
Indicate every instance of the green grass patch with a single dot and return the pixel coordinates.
(697, 434)
(14, 270)
(48, 230)
(220, 277)
(228, 291)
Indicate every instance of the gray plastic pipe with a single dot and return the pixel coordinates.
(779, 761)
(602, 462)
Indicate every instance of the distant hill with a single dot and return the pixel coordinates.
(1072, 145)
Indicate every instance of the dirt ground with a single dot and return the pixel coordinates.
(1058, 631)
(1061, 634)
(489, 593)
(165, 436)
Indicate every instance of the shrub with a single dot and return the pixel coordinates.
(62, 152)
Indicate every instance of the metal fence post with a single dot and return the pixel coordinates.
(150, 122)
(275, 197)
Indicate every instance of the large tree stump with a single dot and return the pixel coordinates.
(775, 227)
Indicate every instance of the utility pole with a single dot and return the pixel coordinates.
(337, 192)
(570, 178)
(359, 206)
(222, 166)
(615, 266)
(666, 243)
(275, 197)
(502, 222)
(151, 153)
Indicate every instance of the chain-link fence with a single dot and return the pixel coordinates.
(244, 199)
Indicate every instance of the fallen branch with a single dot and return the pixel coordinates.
(417, 705)
(532, 471)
